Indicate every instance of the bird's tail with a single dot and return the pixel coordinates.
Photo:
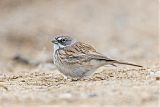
(126, 63)
(112, 61)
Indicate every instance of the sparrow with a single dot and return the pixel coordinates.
(75, 59)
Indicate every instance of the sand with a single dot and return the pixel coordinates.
(109, 86)
(125, 30)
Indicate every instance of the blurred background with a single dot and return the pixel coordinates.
(126, 30)
(121, 29)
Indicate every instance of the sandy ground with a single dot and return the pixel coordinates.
(122, 86)
(125, 30)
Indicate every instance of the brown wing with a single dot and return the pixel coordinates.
(83, 53)
(80, 53)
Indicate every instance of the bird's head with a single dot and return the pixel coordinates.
(62, 41)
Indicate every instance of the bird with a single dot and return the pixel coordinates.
(75, 59)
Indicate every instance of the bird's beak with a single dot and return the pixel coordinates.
(54, 41)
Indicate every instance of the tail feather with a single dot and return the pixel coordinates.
(126, 63)
(112, 61)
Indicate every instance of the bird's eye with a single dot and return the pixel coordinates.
(63, 40)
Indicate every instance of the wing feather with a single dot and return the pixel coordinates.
(80, 53)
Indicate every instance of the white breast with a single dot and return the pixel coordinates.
(54, 51)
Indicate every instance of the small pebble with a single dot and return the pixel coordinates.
(157, 78)
(92, 95)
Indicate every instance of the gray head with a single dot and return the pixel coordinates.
(62, 41)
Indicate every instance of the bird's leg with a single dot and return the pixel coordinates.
(67, 78)
(75, 79)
